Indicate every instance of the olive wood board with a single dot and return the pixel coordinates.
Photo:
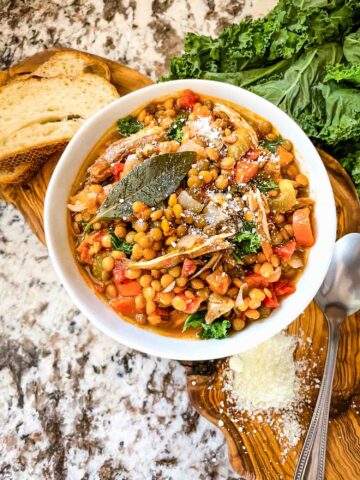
(254, 456)
(258, 456)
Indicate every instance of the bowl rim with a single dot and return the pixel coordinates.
(147, 341)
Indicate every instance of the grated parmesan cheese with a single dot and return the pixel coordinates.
(263, 381)
(265, 376)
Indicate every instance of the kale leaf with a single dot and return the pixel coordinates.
(120, 244)
(245, 242)
(264, 185)
(129, 125)
(175, 130)
(217, 330)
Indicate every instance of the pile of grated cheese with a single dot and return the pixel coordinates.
(265, 376)
(263, 381)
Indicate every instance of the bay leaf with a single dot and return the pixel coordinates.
(150, 182)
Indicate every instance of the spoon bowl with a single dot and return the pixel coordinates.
(341, 286)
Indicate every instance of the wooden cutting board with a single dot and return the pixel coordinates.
(252, 456)
(258, 456)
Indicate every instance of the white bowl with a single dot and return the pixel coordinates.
(101, 314)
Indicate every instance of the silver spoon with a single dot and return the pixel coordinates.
(338, 297)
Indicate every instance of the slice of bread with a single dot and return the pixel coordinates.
(39, 115)
(72, 64)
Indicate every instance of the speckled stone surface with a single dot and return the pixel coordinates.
(73, 403)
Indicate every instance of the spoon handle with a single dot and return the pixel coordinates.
(311, 464)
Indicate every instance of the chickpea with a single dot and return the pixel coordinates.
(227, 132)
(169, 103)
(275, 261)
(276, 238)
(287, 144)
(266, 270)
(271, 137)
(289, 229)
(149, 253)
(156, 234)
(108, 263)
(145, 280)
(237, 282)
(203, 164)
(156, 215)
(178, 210)
(181, 281)
(118, 255)
(214, 173)
(146, 214)
(141, 225)
(181, 230)
(157, 246)
(142, 115)
(111, 291)
(197, 284)
(175, 272)
(139, 236)
(212, 154)
(238, 324)
(248, 216)
(85, 216)
(206, 176)
(120, 231)
(105, 276)
(170, 112)
(204, 293)
(156, 274)
(140, 302)
(170, 240)
(256, 294)
(165, 226)
(166, 280)
(193, 172)
(189, 218)
(292, 171)
(132, 273)
(193, 182)
(106, 241)
(130, 236)
(169, 215)
(254, 304)
(179, 303)
(172, 200)
(267, 292)
(150, 307)
(245, 304)
(156, 285)
(166, 298)
(97, 226)
(149, 293)
(265, 127)
(232, 292)
(221, 182)
(252, 314)
(301, 180)
(138, 207)
(137, 252)
(146, 242)
(154, 319)
(279, 218)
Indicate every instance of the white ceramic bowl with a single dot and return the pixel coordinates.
(101, 314)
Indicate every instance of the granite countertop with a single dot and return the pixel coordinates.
(74, 404)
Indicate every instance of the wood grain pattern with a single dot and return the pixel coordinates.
(258, 456)
(29, 197)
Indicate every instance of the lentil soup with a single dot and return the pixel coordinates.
(191, 217)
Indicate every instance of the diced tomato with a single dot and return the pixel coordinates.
(124, 305)
(252, 154)
(119, 272)
(188, 268)
(201, 111)
(192, 304)
(271, 302)
(84, 255)
(283, 287)
(244, 171)
(255, 280)
(129, 289)
(188, 99)
(286, 251)
(117, 168)
(302, 227)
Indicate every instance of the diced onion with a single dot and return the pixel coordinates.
(189, 203)
(295, 262)
(79, 207)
